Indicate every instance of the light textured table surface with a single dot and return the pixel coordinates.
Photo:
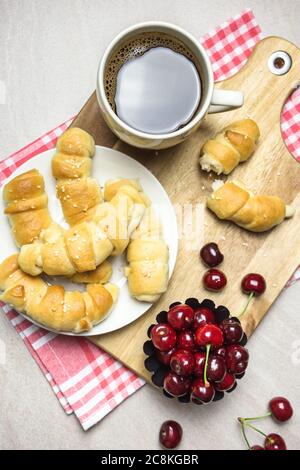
(48, 59)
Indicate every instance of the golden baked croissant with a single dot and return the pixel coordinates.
(31, 222)
(27, 206)
(85, 246)
(53, 306)
(126, 199)
(147, 253)
(78, 194)
(60, 252)
(234, 144)
(257, 213)
(148, 258)
(100, 275)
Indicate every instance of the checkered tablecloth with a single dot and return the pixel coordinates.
(86, 380)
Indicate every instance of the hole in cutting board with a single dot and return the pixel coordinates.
(290, 123)
(279, 63)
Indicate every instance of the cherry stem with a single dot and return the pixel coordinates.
(258, 417)
(244, 421)
(208, 346)
(246, 306)
(244, 434)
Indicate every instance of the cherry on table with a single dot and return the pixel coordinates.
(211, 255)
(280, 408)
(256, 447)
(237, 358)
(214, 280)
(202, 316)
(181, 317)
(202, 393)
(253, 283)
(170, 434)
(163, 336)
(176, 385)
(185, 340)
(182, 362)
(274, 441)
(209, 334)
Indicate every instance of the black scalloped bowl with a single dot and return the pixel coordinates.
(158, 370)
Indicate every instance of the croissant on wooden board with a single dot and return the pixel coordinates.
(85, 246)
(26, 206)
(78, 193)
(233, 145)
(52, 305)
(148, 260)
(257, 213)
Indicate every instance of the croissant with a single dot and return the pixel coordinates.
(148, 258)
(234, 144)
(100, 275)
(78, 194)
(27, 206)
(64, 253)
(85, 246)
(53, 306)
(257, 213)
(127, 195)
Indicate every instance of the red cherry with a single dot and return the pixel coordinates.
(232, 330)
(257, 447)
(199, 357)
(253, 283)
(164, 356)
(226, 384)
(214, 280)
(211, 255)
(216, 369)
(209, 334)
(185, 340)
(163, 337)
(280, 408)
(170, 434)
(176, 385)
(274, 442)
(220, 351)
(237, 358)
(202, 393)
(182, 362)
(181, 317)
(202, 316)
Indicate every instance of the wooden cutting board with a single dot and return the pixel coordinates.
(271, 170)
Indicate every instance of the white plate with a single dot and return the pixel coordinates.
(107, 164)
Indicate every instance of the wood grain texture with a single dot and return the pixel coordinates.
(271, 170)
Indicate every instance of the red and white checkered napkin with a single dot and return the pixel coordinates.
(85, 379)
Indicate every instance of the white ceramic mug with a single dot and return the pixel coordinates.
(212, 101)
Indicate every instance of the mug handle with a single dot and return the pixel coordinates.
(225, 100)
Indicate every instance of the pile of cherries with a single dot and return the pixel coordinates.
(196, 351)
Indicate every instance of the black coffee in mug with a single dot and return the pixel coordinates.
(153, 83)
